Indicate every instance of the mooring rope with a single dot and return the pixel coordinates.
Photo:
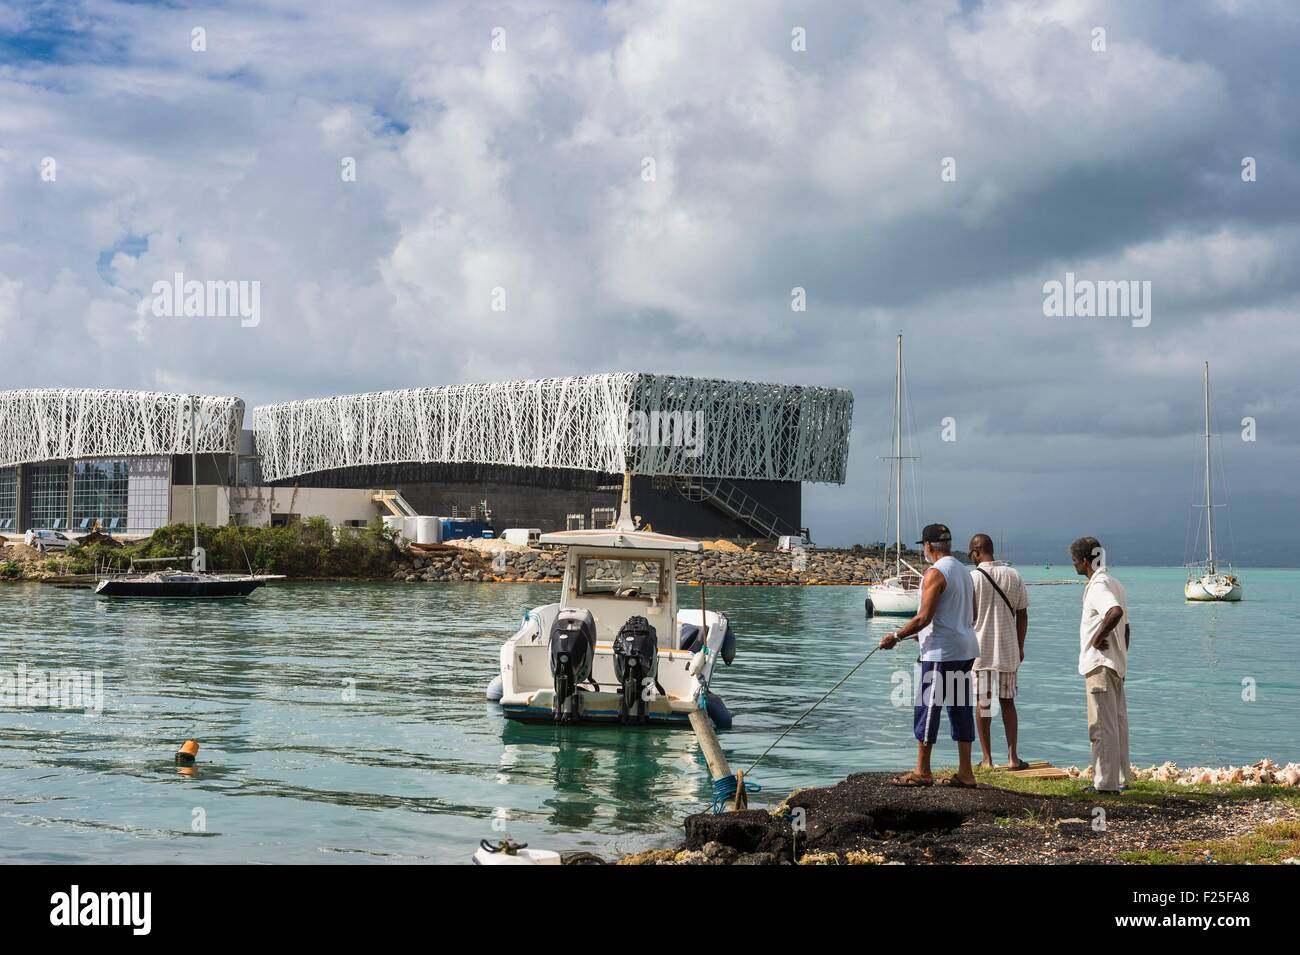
(725, 788)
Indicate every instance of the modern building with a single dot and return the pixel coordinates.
(73, 459)
(708, 457)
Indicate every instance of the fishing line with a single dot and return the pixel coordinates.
(842, 681)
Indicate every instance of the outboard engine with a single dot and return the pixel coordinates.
(636, 660)
(573, 644)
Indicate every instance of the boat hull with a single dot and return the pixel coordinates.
(1204, 590)
(894, 601)
(179, 590)
(526, 687)
(594, 708)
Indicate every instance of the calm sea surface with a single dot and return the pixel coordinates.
(418, 767)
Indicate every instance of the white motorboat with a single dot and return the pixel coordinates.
(900, 594)
(1208, 580)
(615, 647)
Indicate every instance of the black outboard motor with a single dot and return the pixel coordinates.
(636, 660)
(573, 644)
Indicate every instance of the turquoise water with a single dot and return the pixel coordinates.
(419, 768)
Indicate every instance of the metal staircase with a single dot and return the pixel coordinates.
(395, 503)
(735, 503)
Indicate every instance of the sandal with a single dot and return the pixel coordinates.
(1018, 767)
(957, 783)
(912, 780)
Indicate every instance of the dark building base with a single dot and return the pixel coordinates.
(545, 497)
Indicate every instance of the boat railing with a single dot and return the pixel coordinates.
(152, 560)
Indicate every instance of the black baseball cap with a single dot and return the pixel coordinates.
(935, 534)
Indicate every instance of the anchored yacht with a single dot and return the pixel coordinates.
(1208, 580)
(899, 595)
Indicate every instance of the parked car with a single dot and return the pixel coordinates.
(45, 540)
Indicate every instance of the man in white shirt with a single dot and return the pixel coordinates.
(1001, 622)
(1103, 663)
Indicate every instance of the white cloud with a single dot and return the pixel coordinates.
(522, 170)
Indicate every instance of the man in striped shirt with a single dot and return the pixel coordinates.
(1001, 622)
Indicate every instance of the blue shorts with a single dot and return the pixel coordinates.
(945, 684)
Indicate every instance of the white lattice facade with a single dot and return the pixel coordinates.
(52, 424)
(650, 424)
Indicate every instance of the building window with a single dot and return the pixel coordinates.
(48, 496)
(575, 522)
(99, 495)
(602, 517)
(8, 499)
(148, 500)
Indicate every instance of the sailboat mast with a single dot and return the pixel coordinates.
(194, 468)
(1209, 499)
(898, 459)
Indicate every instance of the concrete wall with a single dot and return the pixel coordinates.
(213, 509)
(255, 506)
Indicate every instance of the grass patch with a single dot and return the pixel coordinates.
(1267, 845)
(1148, 792)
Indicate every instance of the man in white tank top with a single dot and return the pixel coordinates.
(944, 624)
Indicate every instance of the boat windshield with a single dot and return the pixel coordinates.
(620, 578)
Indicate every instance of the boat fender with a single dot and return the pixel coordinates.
(728, 651)
(696, 666)
(718, 711)
(495, 689)
(870, 608)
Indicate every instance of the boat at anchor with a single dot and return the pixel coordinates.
(1211, 579)
(615, 648)
(195, 583)
(900, 594)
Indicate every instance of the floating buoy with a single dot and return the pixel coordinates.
(188, 752)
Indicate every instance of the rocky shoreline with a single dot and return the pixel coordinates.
(866, 820)
(720, 563)
(717, 567)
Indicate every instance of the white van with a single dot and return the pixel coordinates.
(523, 536)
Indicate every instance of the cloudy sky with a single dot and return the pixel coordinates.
(923, 167)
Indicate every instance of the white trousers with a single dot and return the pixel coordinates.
(1107, 728)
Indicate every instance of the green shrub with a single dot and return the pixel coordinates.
(310, 548)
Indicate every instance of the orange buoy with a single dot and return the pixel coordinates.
(188, 752)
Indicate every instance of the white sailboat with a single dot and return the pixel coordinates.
(899, 595)
(1209, 581)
